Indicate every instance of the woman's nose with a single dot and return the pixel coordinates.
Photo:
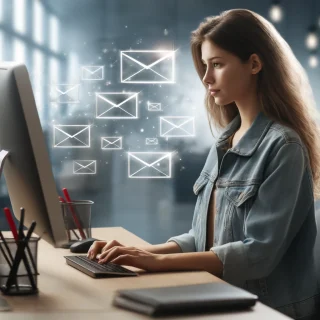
(207, 79)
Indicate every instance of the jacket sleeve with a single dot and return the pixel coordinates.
(274, 219)
(186, 241)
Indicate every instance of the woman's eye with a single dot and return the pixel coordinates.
(216, 63)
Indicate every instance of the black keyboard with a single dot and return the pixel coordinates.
(96, 270)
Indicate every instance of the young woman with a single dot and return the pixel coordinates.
(254, 221)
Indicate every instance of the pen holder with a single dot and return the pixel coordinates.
(77, 219)
(18, 266)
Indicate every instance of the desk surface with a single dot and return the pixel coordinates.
(66, 293)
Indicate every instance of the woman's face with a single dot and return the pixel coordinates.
(226, 73)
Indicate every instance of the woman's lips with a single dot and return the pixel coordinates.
(214, 92)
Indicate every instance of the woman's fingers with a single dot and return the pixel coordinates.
(114, 252)
(99, 247)
(111, 244)
(95, 249)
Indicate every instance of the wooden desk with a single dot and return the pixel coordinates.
(67, 294)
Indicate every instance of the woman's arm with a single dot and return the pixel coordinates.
(163, 248)
(158, 262)
(206, 261)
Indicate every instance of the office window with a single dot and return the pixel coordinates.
(1, 10)
(54, 76)
(19, 15)
(19, 51)
(54, 31)
(73, 68)
(38, 66)
(38, 78)
(38, 21)
(1, 45)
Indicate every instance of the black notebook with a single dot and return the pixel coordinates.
(207, 297)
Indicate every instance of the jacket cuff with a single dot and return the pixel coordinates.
(235, 262)
(185, 241)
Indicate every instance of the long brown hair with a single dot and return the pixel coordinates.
(283, 90)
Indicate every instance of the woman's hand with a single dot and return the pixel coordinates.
(101, 246)
(134, 257)
(117, 253)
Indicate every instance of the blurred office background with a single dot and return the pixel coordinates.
(56, 38)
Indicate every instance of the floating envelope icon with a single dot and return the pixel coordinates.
(116, 105)
(84, 166)
(147, 66)
(92, 72)
(149, 165)
(111, 143)
(151, 141)
(152, 106)
(65, 93)
(177, 126)
(71, 136)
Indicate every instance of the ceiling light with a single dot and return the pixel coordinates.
(276, 12)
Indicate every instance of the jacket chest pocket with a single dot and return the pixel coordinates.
(240, 200)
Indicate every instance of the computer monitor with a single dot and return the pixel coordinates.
(27, 169)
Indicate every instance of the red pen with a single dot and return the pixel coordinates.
(74, 215)
(11, 223)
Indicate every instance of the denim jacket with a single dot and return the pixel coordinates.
(264, 226)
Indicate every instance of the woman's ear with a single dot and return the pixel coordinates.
(256, 64)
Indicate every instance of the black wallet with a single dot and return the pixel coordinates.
(197, 298)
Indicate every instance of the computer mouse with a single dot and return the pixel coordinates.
(82, 246)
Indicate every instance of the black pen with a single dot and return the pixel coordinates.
(21, 222)
(21, 237)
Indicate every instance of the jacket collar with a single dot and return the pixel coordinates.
(251, 139)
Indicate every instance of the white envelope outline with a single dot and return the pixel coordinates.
(67, 92)
(170, 121)
(151, 141)
(162, 156)
(126, 54)
(109, 105)
(91, 72)
(109, 143)
(68, 136)
(153, 106)
(84, 166)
